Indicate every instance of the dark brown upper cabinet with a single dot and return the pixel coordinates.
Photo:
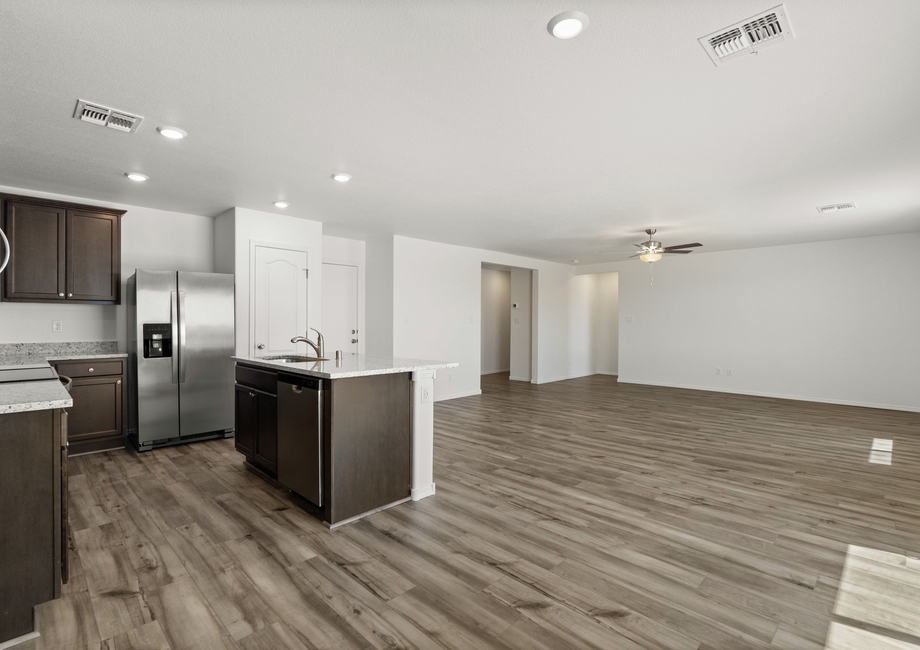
(61, 251)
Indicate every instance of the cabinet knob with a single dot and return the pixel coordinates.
(261, 346)
(252, 394)
(118, 382)
(92, 370)
(61, 295)
(70, 295)
(354, 340)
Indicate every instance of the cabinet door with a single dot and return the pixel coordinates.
(245, 408)
(96, 410)
(37, 259)
(267, 433)
(93, 256)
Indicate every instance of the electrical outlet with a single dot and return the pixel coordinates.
(57, 326)
(729, 372)
(718, 371)
(517, 320)
(426, 394)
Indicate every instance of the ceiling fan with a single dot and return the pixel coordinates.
(651, 251)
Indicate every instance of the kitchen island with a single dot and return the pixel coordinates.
(347, 438)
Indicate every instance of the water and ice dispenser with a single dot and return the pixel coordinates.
(157, 340)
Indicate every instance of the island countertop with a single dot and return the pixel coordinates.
(351, 365)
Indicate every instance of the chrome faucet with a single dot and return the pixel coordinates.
(319, 347)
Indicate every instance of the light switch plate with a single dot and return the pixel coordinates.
(426, 394)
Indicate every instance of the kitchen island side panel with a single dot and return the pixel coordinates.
(368, 440)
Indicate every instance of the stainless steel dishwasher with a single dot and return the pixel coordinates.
(300, 435)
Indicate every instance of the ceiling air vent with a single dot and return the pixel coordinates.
(836, 207)
(104, 116)
(749, 36)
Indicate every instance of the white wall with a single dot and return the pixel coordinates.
(378, 304)
(495, 322)
(831, 321)
(436, 312)
(150, 239)
(521, 348)
(244, 227)
(606, 325)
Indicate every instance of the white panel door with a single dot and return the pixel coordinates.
(340, 308)
(279, 300)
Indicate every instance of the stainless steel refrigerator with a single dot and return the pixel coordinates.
(180, 343)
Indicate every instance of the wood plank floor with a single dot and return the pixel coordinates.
(579, 514)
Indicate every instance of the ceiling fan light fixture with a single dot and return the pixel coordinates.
(650, 257)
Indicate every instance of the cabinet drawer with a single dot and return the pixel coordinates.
(90, 368)
(264, 380)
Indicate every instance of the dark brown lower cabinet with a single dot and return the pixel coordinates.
(256, 434)
(97, 414)
(31, 533)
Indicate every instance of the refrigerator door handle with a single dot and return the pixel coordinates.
(174, 322)
(182, 365)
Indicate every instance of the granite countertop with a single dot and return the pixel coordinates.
(352, 365)
(21, 396)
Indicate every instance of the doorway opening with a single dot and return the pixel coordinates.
(506, 322)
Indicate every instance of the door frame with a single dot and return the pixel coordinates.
(341, 261)
(253, 243)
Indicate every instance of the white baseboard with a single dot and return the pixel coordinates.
(519, 378)
(604, 372)
(442, 398)
(422, 492)
(575, 376)
(495, 372)
(754, 393)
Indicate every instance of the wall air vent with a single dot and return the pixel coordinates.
(836, 207)
(104, 116)
(749, 36)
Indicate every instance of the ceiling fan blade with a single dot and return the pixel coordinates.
(642, 245)
(632, 256)
(667, 252)
(671, 248)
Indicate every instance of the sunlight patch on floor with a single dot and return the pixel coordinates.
(881, 452)
(881, 590)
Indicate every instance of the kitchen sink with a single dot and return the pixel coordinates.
(292, 358)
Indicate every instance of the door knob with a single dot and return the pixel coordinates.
(261, 346)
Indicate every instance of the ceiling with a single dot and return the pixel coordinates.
(466, 122)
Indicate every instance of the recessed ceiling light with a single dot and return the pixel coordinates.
(134, 176)
(568, 24)
(171, 132)
(574, 261)
(342, 178)
(280, 204)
